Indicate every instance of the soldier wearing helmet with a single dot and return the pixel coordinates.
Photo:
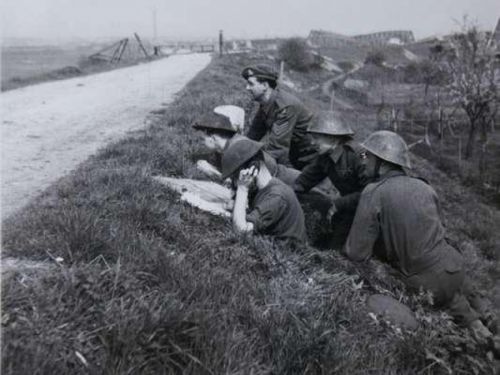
(219, 131)
(338, 160)
(281, 121)
(398, 218)
(274, 208)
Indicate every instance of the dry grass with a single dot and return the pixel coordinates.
(149, 285)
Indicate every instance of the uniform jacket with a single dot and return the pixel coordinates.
(344, 169)
(276, 211)
(399, 218)
(284, 120)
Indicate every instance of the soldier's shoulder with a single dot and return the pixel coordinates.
(422, 179)
(381, 185)
(369, 189)
(286, 99)
(353, 146)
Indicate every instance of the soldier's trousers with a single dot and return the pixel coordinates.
(451, 290)
(341, 225)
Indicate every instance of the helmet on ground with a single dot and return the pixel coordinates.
(238, 153)
(388, 146)
(216, 123)
(329, 123)
(234, 113)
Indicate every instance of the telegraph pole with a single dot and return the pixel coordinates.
(221, 42)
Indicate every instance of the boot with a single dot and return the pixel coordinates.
(480, 333)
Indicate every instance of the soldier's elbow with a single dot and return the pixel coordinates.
(353, 254)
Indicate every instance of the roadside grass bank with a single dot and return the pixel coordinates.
(141, 283)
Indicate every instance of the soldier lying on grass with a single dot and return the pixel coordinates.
(338, 160)
(274, 208)
(398, 217)
(218, 132)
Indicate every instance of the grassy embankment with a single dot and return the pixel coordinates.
(149, 285)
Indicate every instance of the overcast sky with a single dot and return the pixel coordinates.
(67, 19)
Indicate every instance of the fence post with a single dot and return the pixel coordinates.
(221, 43)
(440, 131)
(394, 119)
(460, 155)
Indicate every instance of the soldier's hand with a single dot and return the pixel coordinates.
(247, 176)
(228, 183)
(207, 168)
(332, 211)
(229, 205)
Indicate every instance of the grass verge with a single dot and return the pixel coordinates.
(141, 283)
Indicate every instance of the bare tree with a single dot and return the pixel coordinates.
(471, 64)
(296, 54)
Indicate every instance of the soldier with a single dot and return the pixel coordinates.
(274, 208)
(338, 159)
(218, 132)
(398, 218)
(281, 118)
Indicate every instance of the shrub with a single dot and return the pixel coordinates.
(346, 65)
(296, 54)
(375, 57)
(424, 72)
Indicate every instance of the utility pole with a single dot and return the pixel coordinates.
(221, 42)
(141, 45)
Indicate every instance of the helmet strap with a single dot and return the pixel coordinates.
(376, 171)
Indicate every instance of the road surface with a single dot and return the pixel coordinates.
(48, 129)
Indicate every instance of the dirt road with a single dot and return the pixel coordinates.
(50, 128)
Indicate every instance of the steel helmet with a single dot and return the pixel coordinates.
(215, 122)
(388, 146)
(234, 113)
(329, 123)
(238, 153)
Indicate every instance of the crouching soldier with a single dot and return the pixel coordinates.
(218, 132)
(338, 160)
(281, 121)
(398, 219)
(274, 208)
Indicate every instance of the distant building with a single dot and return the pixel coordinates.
(387, 37)
(238, 45)
(265, 44)
(320, 38)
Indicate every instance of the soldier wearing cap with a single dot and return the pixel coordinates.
(274, 208)
(281, 120)
(218, 133)
(338, 160)
(398, 218)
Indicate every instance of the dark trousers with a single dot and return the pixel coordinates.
(451, 290)
(340, 227)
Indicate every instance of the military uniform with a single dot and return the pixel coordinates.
(276, 211)
(281, 172)
(344, 169)
(284, 120)
(398, 218)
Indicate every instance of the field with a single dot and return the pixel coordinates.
(120, 277)
(23, 62)
(24, 65)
